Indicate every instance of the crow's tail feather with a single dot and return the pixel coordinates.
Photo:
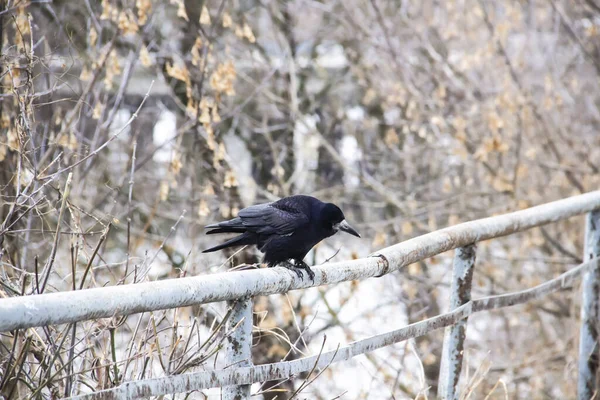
(241, 240)
(232, 226)
(232, 223)
(225, 230)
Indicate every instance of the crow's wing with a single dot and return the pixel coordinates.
(269, 219)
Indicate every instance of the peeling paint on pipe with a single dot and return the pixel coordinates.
(283, 370)
(67, 307)
(238, 352)
(589, 338)
(454, 338)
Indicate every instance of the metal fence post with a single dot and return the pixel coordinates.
(454, 337)
(590, 316)
(238, 351)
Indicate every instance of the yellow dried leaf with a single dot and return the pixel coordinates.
(429, 359)
(208, 191)
(272, 188)
(113, 68)
(461, 152)
(501, 185)
(224, 210)
(407, 228)
(411, 109)
(106, 10)
(495, 122)
(145, 57)
(460, 125)
(204, 116)
(248, 33)
(204, 16)
(179, 72)
(391, 137)
(12, 137)
(214, 114)
(502, 31)
(196, 56)
(461, 136)
(369, 96)
(97, 113)
(278, 171)
(222, 79)
(4, 121)
(441, 92)
(239, 31)
(203, 209)
(447, 185)
(163, 192)
(227, 21)
(414, 269)
(3, 151)
(93, 37)
(176, 164)
(210, 140)
(230, 180)
(437, 120)
(85, 74)
(126, 23)
(380, 239)
(144, 8)
(181, 13)
(220, 153)
(191, 107)
(495, 144)
(68, 141)
(481, 154)
(591, 30)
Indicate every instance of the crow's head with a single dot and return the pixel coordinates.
(333, 220)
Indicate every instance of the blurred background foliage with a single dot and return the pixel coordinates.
(410, 115)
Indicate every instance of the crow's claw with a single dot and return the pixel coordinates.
(292, 267)
(302, 265)
(311, 274)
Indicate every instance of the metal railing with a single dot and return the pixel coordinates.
(237, 288)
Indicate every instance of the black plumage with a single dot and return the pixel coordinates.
(284, 230)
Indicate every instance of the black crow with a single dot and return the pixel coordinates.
(284, 230)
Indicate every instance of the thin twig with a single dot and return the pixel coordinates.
(48, 267)
(127, 254)
(162, 245)
(330, 258)
(89, 264)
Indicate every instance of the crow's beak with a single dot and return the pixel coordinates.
(344, 226)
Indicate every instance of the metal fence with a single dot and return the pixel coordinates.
(237, 288)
